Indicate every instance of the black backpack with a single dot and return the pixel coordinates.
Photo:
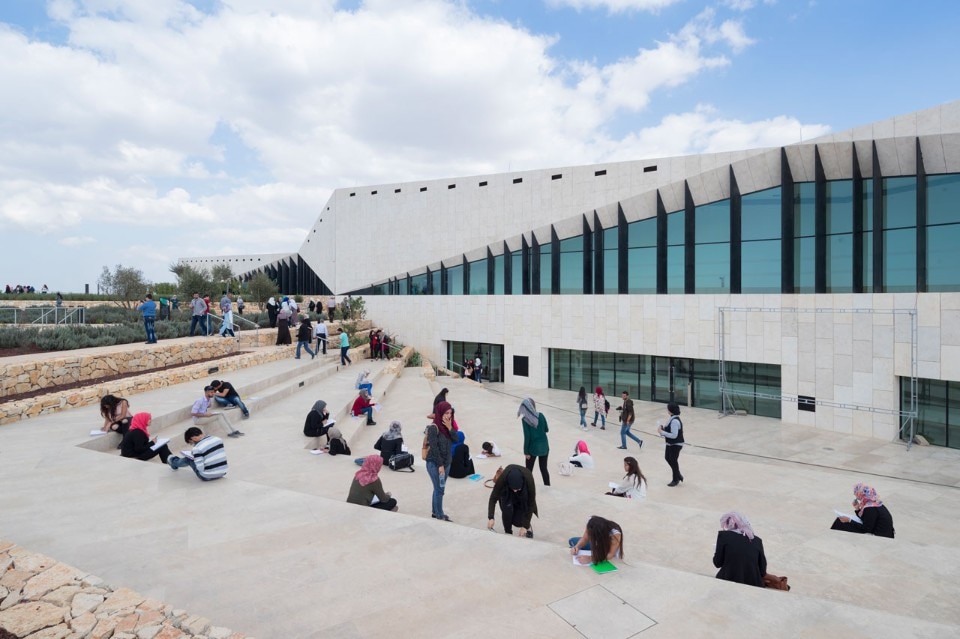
(606, 405)
(401, 461)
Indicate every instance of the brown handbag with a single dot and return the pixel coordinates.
(490, 483)
(774, 582)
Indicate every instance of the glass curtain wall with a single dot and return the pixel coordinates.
(712, 252)
(938, 404)
(839, 263)
(516, 272)
(499, 279)
(642, 256)
(760, 233)
(478, 277)
(611, 248)
(546, 268)
(899, 234)
(676, 252)
(943, 232)
(804, 237)
(491, 358)
(418, 284)
(571, 266)
(866, 238)
(455, 280)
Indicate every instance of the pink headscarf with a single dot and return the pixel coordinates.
(738, 523)
(582, 448)
(370, 470)
(139, 422)
(866, 496)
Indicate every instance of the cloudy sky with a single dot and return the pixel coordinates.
(140, 131)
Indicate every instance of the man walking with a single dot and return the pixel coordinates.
(149, 310)
(197, 307)
(331, 307)
(208, 458)
(320, 331)
(344, 347)
(627, 417)
(226, 395)
(202, 415)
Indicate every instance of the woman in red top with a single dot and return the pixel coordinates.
(363, 406)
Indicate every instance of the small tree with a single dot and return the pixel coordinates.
(222, 276)
(125, 285)
(191, 280)
(262, 288)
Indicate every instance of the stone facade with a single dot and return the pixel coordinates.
(43, 599)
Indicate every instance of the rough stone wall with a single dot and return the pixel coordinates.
(41, 598)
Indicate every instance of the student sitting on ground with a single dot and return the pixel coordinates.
(207, 458)
(602, 537)
(390, 442)
(367, 489)
(633, 485)
(739, 553)
(363, 406)
(138, 444)
(461, 465)
(489, 449)
(338, 445)
(116, 414)
(317, 422)
(875, 519)
(581, 457)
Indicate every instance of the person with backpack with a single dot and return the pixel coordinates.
(672, 432)
(390, 442)
(600, 407)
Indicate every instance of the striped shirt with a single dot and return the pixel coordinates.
(210, 457)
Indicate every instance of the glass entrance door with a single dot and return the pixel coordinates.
(669, 379)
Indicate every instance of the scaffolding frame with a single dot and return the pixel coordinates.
(907, 418)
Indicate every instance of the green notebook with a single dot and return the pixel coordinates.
(603, 566)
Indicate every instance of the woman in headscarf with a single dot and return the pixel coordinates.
(535, 443)
(599, 408)
(363, 405)
(874, 517)
(283, 326)
(460, 465)
(581, 457)
(739, 554)
(437, 444)
(137, 442)
(602, 538)
(366, 486)
(441, 396)
(272, 310)
(517, 496)
(338, 445)
(390, 442)
(316, 424)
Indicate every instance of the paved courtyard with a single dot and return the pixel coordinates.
(274, 551)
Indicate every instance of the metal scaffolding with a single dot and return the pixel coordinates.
(907, 417)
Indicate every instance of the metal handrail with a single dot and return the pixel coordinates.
(219, 318)
(76, 311)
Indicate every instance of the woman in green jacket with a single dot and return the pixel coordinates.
(535, 443)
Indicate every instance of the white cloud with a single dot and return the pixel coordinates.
(77, 240)
(117, 127)
(613, 6)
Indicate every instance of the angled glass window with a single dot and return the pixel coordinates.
(435, 282)
(676, 252)
(455, 280)
(839, 263)
(418, 284)
(943, 233)
(516, 272)
(499, 278)
(867, 237)
(760, 250)
(712, 254)
(804, 244)
(571, 266)
(546, 266)
(402, 286)
(642, 256)
(611, 260)
(478, 277)
(899, 234)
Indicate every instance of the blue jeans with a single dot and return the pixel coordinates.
(148, 324)
(583, 417)
(602, 416)
(305, 345)
(232, 400)
(344, 358)
(196, 320)
(368, 386)
(368, 411)
(625, 432)
(575, 540)
(439, 484)
(179, 462)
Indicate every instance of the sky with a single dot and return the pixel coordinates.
(136, 132)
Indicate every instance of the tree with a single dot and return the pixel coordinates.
(191, 280)
(126, 285)
(262, 287)
(222, 276)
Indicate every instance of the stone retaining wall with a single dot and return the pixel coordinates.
(43, 599)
